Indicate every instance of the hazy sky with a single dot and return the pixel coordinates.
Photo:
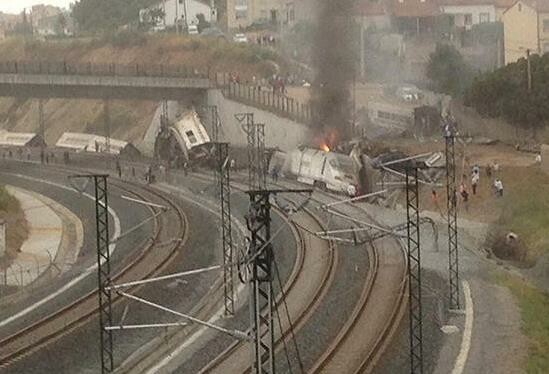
(17, 6)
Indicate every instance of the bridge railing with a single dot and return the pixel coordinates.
(264, 97)
(261, 97)
(91, 69)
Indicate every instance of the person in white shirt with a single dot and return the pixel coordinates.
(474, 182)
(498, 185)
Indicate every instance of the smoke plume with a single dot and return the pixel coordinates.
(334, 62)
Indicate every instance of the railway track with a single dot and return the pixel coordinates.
(323, 271)
(366, 334)
(384, 285)
(144, 264)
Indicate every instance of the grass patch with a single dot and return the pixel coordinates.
(524, 208)
(534, 307)
(7, 202)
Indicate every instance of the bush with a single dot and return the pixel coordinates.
(448, 71)
(6, 200)
(504, 93)
(125, 39)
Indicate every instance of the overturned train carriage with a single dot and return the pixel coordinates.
(185, 141)
(327, 170)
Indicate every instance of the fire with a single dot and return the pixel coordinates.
(325, 147)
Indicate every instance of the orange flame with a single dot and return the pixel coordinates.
(325, 147)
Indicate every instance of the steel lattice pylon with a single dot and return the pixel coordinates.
(224, 188)
(414, 271)
(261, 292)
(262, 162)
(255, 137)
(451, 192)
(104, 272)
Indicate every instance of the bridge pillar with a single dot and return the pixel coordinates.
(107, 124)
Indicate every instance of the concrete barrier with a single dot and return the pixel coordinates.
(279, 131)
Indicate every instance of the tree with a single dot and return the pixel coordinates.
(448, 71)
(61, 24)
(108, 15)
(504, 93)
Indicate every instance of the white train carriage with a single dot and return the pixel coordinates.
(328, 170)
(185, 140)
(390, 115)
(81, 142)
(190, 132)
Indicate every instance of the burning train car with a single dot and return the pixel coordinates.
(327, 170)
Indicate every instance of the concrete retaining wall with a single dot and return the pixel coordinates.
(279, 132)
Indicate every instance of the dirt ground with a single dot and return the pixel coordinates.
(484, 206)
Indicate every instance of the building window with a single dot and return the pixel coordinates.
(484, 18)
(545, 47)
(191, 137)
(520, 7)
(468, 19)
(545, 25)
(241, 9)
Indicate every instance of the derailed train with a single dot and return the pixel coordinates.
(327, 170)
(185, 141)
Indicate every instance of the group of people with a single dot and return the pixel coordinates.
(266, 40)
(491, 170)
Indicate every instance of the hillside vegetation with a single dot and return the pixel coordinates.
(130, 119)
(16, 225)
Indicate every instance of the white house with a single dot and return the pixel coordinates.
(184, 12)
(467, 13)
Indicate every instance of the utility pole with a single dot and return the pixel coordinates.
(529, 70)
(223, 179)
(261, 259)
(42, 127)
(451, 194)
(414, 270)
(103, 264)
(107, 113)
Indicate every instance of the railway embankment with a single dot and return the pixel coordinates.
(13, 217)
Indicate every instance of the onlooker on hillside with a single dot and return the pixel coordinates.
(498, 185)
(489, 171)
(474, 182)
(476, 169)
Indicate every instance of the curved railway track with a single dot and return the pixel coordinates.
(323, 269)
(146, 263)
(367, 332)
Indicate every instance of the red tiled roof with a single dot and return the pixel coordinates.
(470, 2)
(540, 5)
(504, 3)
(415, 8)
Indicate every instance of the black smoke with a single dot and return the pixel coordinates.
(334, 60)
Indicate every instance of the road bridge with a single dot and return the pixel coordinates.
(102, 81)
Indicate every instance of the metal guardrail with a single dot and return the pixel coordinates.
(257, 96)
(265, 98)
(90, 69)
